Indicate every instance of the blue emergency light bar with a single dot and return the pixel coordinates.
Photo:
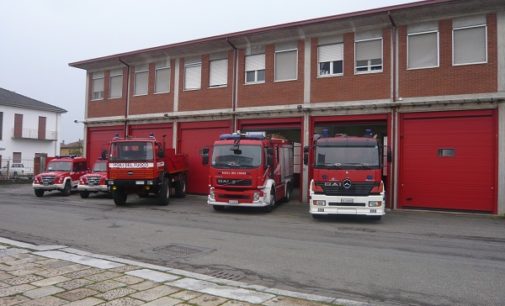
(247, 135)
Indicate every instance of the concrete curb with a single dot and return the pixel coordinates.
(175, 277)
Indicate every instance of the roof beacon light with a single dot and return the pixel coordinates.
(256, 135)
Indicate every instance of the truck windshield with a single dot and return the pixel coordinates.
(100, 166)
(59, 166)
(246, 156)
(134, 150)
(347, 157)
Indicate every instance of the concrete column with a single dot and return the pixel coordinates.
(305, 175)
(85, 125)
(395, 142)
(306, 71)
(176, 85)
(175, 126)
(501, 48)
(501, 159)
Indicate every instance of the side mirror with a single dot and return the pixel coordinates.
(389, 156)
(306, 155)
(204, 153)
(161, 153)
(104, 154)
(270, 157)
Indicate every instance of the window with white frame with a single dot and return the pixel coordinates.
(162, 77)
(255, 68)
(97, 86)
(422, 46)
(218, 70)
(141, 79)
(330, 59)
(192, 73)
(469, 40)
(116, 83)
(286, 61)
(368, 52)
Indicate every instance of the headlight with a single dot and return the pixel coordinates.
(374, 203)
(211, 193)
(319, 202)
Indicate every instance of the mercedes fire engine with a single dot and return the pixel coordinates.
(249, 170)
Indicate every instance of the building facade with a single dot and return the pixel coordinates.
(29, 131)
(427, 78)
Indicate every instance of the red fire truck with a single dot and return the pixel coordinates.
(347, 177)
(144, 166)
(62, 174)
(249, 170)
(96, 181)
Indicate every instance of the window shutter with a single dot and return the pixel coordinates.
(193, 77)
(470, 45)
(285, 65)
(423, 50)
(162, 80)
(330, 53)
(218, 72)
(141, 83)
(367, 50)
(255, 62)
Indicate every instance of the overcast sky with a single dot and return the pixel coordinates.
(38, 38)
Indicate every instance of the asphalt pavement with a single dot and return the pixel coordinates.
(410, 257)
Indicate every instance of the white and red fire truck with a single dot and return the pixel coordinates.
(96, 181)
(249, 170)
(62, 174)
(347, 177)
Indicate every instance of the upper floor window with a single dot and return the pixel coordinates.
(286, 61)
(141, 79)
(162, 83)
(368, 52)
(192, 73)
(255, 65)
(330, 57)
(218, 70)
(97, 86)
(422, 46)
(116, 83)
(469, 40)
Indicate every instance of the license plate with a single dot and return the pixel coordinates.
(373, 210)
(46, 183)
(320, 209)
(347, 200)
(233, 201)
(139, 182)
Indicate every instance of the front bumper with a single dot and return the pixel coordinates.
(347, 205)
(48, 187)
(244, 198)
(94, 188)
(260, 203)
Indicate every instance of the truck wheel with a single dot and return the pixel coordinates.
(119, 196)
(289, 191)
(180, 188)
(84, 194)
(271, 205)
(67, 189)
(39, 192)
(164, 193)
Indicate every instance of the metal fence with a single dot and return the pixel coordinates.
(16, 170)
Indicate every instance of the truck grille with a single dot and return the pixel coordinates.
(233, 196)
(346, 204)
(356, 189)
(234, 182)
(47, 180)
(93, 180)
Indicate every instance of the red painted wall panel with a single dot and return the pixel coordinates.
(98, 140)
(158, 130)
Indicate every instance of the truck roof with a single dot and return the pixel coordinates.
(68, 158)
(347, 141)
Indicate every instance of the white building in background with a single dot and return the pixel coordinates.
(28, 129)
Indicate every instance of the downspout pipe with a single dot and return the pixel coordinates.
(394, 140)
(127, 101)
(234, 84)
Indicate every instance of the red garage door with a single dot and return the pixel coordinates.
(448, 161)
(192, 137)
(159, 130)
(98, 140)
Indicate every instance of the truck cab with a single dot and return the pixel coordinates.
(347, 177)
(250, 170)
(96, 181)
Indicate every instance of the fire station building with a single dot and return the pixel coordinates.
(426, 78)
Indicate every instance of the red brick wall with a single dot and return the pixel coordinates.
(447, 79)
(351, 87)
(270, 92)
(106, 107)
(206, 97)
(152, 102)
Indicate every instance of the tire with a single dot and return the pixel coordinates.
(119, 196)
(39, 193)
(180, 188)
(67, 189)
(289, 191)
(164, 193)
(218, 207)
(271, 205)
(84, 194)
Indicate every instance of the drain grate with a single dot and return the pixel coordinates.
(228, 274)
(181, 250)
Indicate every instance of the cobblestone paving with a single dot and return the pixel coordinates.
(29, 278)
